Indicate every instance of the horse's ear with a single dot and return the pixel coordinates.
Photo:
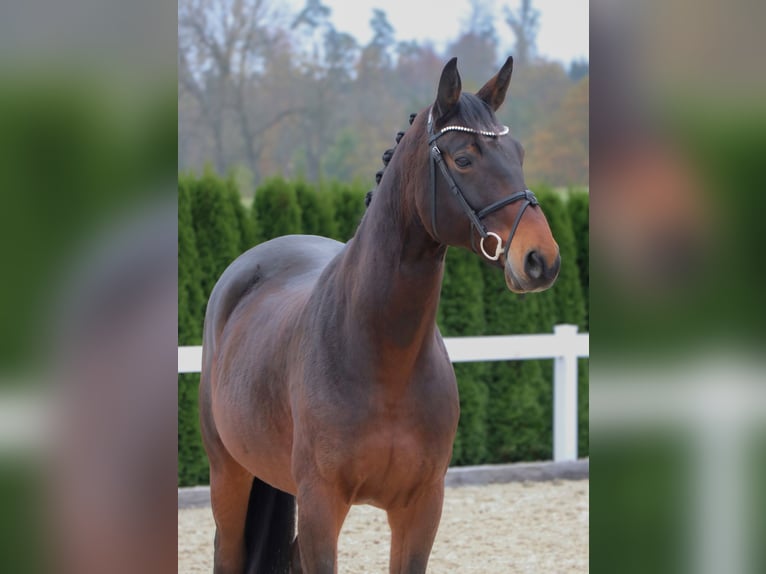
(449, 89)
(493, 92)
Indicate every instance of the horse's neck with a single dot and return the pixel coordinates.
(392, 278)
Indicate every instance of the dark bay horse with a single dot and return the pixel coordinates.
(324, 377)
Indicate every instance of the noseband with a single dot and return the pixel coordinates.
(475, 217)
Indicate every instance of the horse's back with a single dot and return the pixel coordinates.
(291, 262)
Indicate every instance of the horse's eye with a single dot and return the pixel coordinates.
(462, 161)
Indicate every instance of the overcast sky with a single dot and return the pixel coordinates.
(563, 32)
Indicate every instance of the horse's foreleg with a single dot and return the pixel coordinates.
(413, 529)
(321, 512)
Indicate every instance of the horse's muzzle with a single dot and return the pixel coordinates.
(538, 273)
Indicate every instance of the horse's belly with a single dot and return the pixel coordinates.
(252, 415)
(257, 442)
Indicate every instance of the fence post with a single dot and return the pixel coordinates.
(565, 395)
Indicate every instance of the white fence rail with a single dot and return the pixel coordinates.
(564, 346)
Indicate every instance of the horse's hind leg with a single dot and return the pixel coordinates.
(230, 487)
(413, 529)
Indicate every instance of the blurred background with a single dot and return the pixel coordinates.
(677, 378)
(87, 286)
(95, 98)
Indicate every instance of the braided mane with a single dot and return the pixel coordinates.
(387, 155)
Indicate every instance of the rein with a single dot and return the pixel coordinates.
(474, 217)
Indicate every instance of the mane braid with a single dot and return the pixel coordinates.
(387, 155)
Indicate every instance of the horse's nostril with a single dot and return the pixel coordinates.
(534, 265)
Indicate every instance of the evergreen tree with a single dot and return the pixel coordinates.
(349, 208)
(518, 429)
(218, 242)
(192, 460)
(276, 209)
(217, 235)
(245, 223)
(461, 313)
(578, 209)
(192, 463)
(190, 297)
(578, 205)
(567, 291)
(566, 297)
(317, 211)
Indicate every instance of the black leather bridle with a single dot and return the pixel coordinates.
(475, 217)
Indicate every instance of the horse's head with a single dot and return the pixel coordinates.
(477, 196)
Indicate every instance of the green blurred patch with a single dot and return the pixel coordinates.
(756, 497)
(728, 146)
(723, 145)
(641, 503)
(72, 157)
(23, 547)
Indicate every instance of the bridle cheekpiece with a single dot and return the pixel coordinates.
(475, 217)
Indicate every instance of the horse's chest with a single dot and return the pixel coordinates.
(391, 459)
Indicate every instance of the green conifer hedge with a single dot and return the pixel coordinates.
(192, 463)
(276, 209)
(461, 313)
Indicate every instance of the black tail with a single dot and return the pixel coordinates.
(269, 529)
